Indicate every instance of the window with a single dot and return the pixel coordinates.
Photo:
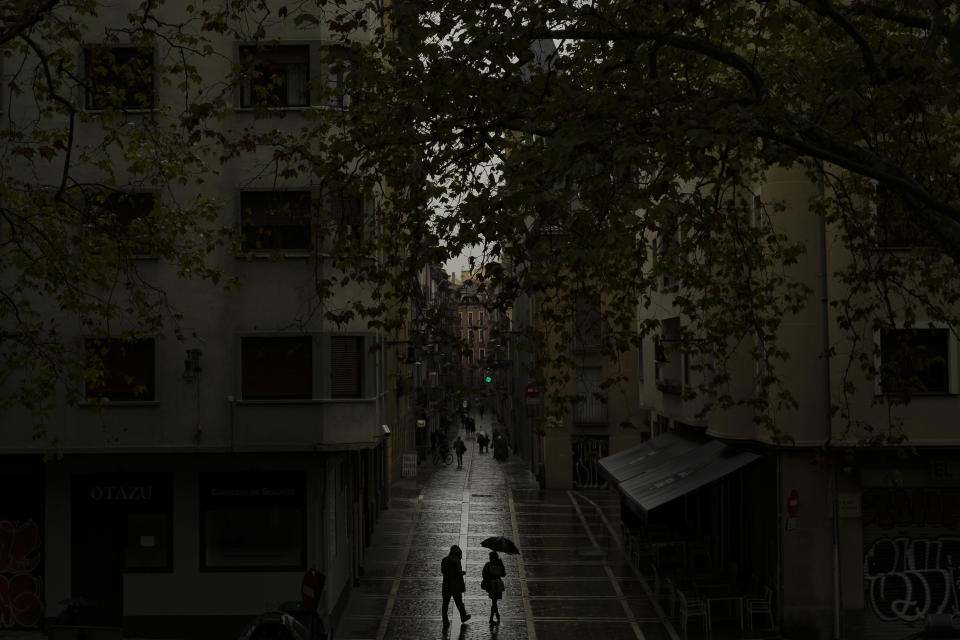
(126, 218)
(482, 354)
(137, 510)
(470, 318)
(481, 317)
(348, 218)
(480, 336)
(119, 77)
(126, 369)
(276, 221)
(338, 63)
(253, 520)
(917, 361)
(346, 366)
(276, 367)
(591, 407)
(589, 324)
(470, 337)
(758, 211)
(275, 76)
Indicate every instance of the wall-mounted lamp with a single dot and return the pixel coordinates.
(191, 366)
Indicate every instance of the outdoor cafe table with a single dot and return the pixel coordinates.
(714, 594)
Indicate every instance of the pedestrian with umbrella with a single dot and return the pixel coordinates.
(493, 572)
(501, 544)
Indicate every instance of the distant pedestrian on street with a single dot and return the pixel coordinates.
(499, 446)
(483, 442)
(492, 583)
(459, 447)
(453, 585)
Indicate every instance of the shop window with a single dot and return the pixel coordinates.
(346, 366)
(253, 521)
(917, 361)
(138, 510)
(276, 367)
(586, 451)
(126, 369)
(119, 77)
(275, 76)
(276, 221)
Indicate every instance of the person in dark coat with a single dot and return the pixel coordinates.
(459, 447)
(493, 573)
(453, 585)
(499, 447)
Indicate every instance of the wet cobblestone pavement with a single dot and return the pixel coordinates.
(571, 579)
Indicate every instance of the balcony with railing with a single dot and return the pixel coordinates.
(590, 411)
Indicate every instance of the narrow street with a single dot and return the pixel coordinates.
(571, 579)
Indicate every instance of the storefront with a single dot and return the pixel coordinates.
(22, 560)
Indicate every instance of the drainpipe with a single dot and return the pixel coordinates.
(828, 416)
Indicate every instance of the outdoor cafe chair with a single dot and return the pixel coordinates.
(671, 596)
(760, 606)
(691, 608)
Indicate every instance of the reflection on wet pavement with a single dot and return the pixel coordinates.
(570, 580)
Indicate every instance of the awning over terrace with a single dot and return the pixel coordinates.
(669, 466)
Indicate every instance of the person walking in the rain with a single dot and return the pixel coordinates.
(499, 446)
(493, 572)
(453, 585)
(459, 447)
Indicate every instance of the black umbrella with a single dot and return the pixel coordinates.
(501, 544)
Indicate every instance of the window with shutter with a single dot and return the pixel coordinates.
(276, 368)
(346, 366)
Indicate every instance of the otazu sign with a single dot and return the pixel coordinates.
(122, 490)
(128, 492)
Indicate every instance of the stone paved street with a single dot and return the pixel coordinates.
(571, 579)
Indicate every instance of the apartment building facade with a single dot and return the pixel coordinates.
(214, 463)
(853, 536)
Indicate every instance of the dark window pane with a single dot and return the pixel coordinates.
(125, 218)
(119, 77)
(915, 361)
(276, 220)
(275, 76)
(276, 368)
(253, 520)
(127, 369)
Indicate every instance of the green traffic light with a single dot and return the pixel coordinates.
(488, 379)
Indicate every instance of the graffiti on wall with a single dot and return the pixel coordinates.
(21, 604)
(587, 450)
(908, 579)
(911, 559)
